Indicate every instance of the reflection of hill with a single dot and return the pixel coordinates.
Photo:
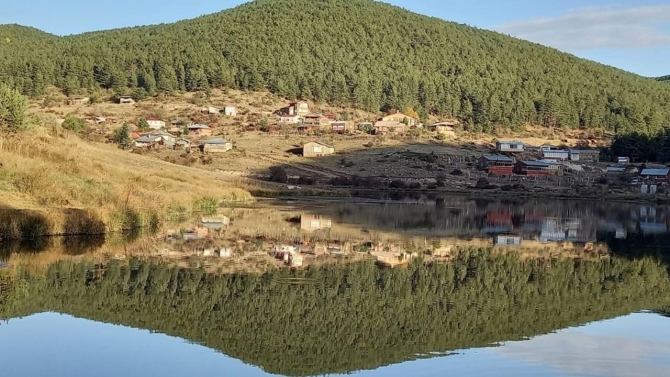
(347, 318)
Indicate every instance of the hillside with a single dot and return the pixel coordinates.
(664, 78)
(358, 53)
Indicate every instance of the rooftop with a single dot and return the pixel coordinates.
(321, 143)
(657, 172)
(497, 158)
(216, 140)
(535, 163)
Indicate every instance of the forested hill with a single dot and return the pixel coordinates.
(664, 78)
(351, 52)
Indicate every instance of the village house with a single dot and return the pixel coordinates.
(183, 144)
(614, 171)
(216, 145)
(656, 175)
(311, 223)
(230, 111)
(496, 165)
(210, 110)
(216, 222)
(317, 149)
(300, 108)
(623, 160)
(400, 118)
(388, 127)
(585, 155)
(78, 101)
(555, 153)
(155, 123)
(443, 128)
(148, 141)
(126, 100)
(532, 168)
(510, 147)
(314, 120)
(339, 127)
(168, 138)
(199, 130)
(290, 119)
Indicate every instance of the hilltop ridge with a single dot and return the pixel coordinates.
(357, 53)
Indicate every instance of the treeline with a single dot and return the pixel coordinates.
(340, 319)
(664, 78)
(357, 53)
(641, 147)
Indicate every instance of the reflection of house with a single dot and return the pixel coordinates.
(216, 145)
(532, 168)
(557, 230)
(506, 240)
(314, 222)
(498, 222)
(400, 118)
(613, 171)
(510, 146)
(623, 160)
(197, 233)
(317, 149)
(385, 127)
(496, 165)
(215, 222)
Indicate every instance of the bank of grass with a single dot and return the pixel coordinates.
(53, 183)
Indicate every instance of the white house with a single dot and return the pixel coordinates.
(147, 141)
(155, 123)
(293, 119)
(230, 111)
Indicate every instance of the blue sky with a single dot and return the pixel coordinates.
(632, 35)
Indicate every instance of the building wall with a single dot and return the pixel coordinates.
(217, 148)
(507, 147)
(316, 150)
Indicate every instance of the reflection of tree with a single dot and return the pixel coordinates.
(347, 318)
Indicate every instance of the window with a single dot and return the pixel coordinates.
(318, 150)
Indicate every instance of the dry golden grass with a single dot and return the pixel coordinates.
(50, 173)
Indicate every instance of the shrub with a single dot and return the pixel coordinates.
(13, 107)
(456, 172)
(74, 124)
(398, 184)
(278, 174)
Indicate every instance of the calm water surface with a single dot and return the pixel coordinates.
(633, 345)
(600, 306)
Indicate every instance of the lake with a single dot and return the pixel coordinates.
(494, 287)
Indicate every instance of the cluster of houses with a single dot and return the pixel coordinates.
(158, 137)
(552, 160)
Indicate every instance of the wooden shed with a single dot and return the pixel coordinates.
(317, 149)
(216, 145)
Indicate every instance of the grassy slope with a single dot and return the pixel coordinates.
(52, 175)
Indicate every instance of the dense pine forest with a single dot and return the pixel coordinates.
(357, 53)
(350, 317)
